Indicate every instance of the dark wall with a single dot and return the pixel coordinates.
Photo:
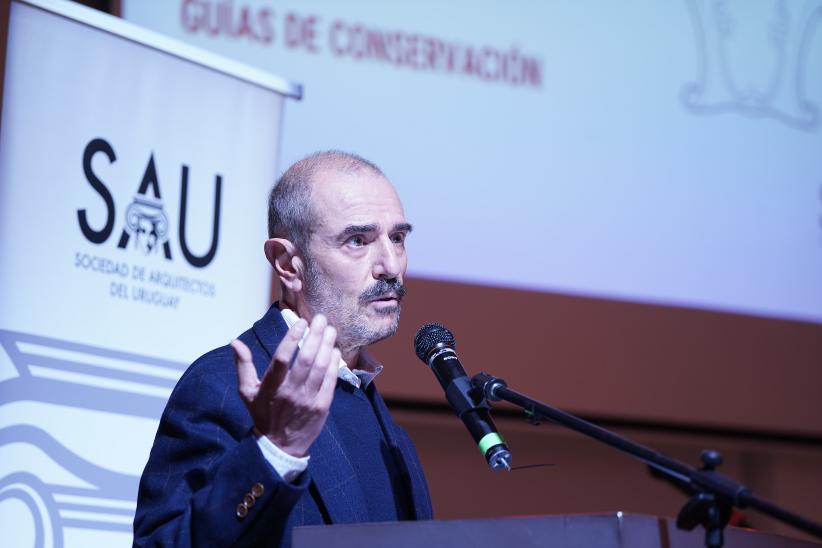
(635, 362)
(677, 380)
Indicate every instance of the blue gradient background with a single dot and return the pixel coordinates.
(673, 154)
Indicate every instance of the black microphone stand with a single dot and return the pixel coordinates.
(713, 495)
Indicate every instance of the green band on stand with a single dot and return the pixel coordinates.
(488, 441)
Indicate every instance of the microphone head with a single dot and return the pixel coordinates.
(430, 337)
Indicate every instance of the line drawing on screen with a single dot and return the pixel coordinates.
(753, 66)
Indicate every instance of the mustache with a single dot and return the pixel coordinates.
(382, 288)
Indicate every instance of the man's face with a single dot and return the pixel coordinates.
(356, 261)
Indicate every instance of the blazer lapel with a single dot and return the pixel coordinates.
(336, 482)
(269, 331)
(406, 458)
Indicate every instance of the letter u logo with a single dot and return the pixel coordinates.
(202, 260)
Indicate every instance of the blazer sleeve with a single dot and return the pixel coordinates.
(205, 462)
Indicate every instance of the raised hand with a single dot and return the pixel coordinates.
(290, 405)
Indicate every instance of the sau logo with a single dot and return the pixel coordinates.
(146, 220)
(148, 223)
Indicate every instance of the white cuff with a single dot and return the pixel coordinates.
(289, 467)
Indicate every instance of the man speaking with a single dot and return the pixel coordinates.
(284, 426)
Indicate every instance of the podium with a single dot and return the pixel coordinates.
(612, 530)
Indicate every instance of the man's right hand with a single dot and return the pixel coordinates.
(289, 406)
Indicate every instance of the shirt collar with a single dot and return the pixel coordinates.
(360, 377)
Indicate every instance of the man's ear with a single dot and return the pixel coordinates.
(287, 262)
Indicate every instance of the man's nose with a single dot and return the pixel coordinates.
(387, 264)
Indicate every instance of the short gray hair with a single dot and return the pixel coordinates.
(290, 214)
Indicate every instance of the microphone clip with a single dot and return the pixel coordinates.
(488, 385)
(464, 397)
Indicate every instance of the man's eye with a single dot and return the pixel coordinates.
(398, 238)
(355, 241)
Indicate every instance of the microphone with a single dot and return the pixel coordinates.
(434, 345)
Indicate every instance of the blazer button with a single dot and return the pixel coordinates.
(249, 500)
(257, 490)
(242, 511)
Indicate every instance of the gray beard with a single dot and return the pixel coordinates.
(353, 329)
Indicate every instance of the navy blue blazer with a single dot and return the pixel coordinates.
(205, 460)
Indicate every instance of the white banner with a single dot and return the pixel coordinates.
(133, 188)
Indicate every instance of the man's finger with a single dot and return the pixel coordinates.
(322, 360)
(247, 381)
(288, 346)
(308, 351)
(326, 392)
(283, 355)
(273, 378)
